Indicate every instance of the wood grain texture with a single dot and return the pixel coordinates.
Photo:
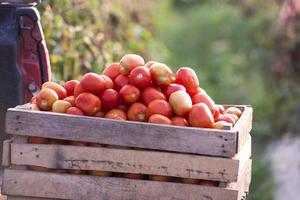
(243, 127)
(27, 198)
(245, 153)
(124, 133)
(6, 153)
(126, 161)
(78, 187)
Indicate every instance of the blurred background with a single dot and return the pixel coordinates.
(244, 52)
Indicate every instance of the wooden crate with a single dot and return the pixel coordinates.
(195, 153)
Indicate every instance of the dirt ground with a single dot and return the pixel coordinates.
(285, 161)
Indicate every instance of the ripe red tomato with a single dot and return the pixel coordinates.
(150, 63)
(226, 118)
(112, 71)
(173, 87)
(129, 94)
(149, 94)
(137, 112)
(89, 103)
(140, 77)
(161, 74)
(204, 98)
(159, 119)
(180, 102)
(93, 83)
(60, 90)
(129, 62)
(121, 81)
(109, 99)
(179, 121)
(70, 86)
(78, 90)
(200, 116)
(74, 111)
(70, 99)
(159, 106)
(108, 82)
(188, 78)
(116, 114)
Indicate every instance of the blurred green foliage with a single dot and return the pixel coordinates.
(230, 46)
(85, 35)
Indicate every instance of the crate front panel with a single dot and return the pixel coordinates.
(124, 133)
(127, 161)
(78, 187)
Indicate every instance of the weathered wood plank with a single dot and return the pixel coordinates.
(244, 154)
(124, 133)
(243, 127)
(126, 161)
(6, 153)
(27, 198)
(78, 187)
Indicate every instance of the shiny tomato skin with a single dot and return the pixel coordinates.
(137, 112)
(188, 78)
(109, 99)
(140, 77)
(201, 116)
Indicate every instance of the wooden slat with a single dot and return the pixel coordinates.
(27, 198)
(243, 127)
(124, 133)
(245, 153)
(126, 161)
(242, 185)
(6, 153)
(78, 187)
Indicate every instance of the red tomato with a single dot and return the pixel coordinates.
(74, 111)
(173, 87)
(78, 90)
(188, 78)
(137, 112)
(129, 62)
(70, 99)
(46, 98)
(116, 114)
(140, 77)
(89, 103)
(180, 102)
(149, 94)
(112, 71)
(234, 110)
(161, 74)
(226, 118)
(70, 86)
(200, 116)
(60, 90)
(108, 82)
(159, 106)
(149, 64)
(159, 119)
(121, 81)
(179, 121)
(109, 99)
(204, 98)
(129, 94)
(93, 83)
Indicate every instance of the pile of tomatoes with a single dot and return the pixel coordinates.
(134, 90)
